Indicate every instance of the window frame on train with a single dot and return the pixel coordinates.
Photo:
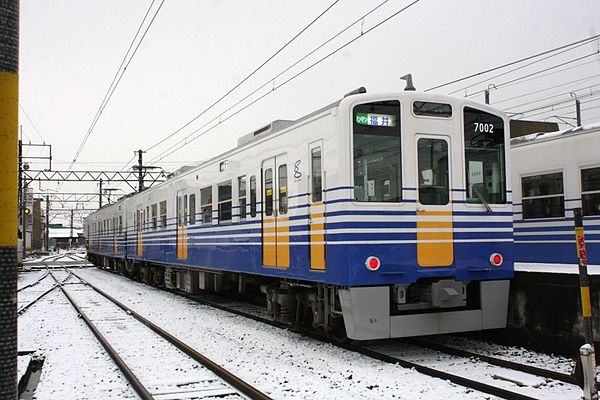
(590, 191)
(253, 194)
(242, 196)
(422, 108)
(540, 197)
(206, 205)
(225, 201)
(316, 174)
(491, 178)
(365, 144)
(163, 214)
(154, 211)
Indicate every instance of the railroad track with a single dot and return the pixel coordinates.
(171, 370)
(495, 376)
(501, 377)
(27, 296)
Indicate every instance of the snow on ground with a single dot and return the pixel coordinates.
(76, 366)
(27, 278)
(281, 363)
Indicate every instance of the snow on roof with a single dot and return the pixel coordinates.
(549, 135)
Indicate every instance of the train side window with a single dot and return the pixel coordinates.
(163, 214)
(192, 209)
(154, 216)
(315, 173)
(269, 192)
(253, 196)
(120, 224)
(377, 158)
(242, 196)
(206, 204)
(224, 201)
(590, 191)
(283, 192)
(543, 196)
(185, 210)
(147, 222)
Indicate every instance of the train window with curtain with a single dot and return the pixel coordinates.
(543, 196)
(590, 191)
(283, 190)
(434, 185)
(163, 214)
(154, 209)
(206, 204)
(192, 209)
(376, 150)
(316, 179)
(268, 192)
(253, 196)
(484, 157)
(224, 201)
(242, 196)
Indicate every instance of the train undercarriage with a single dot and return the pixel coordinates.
(360, 313)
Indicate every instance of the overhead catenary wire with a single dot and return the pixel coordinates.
(544, 109)
(190, 139)
(290, 41)
(269, 81)
(589, 39)
(551, 97)
(31, 122)
(119, 74)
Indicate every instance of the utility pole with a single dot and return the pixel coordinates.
(47, 241)
(140, 171)
(100, 196)
(9, 132)
(71, 234)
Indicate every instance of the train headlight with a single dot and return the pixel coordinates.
(372, 263)
(496, 259)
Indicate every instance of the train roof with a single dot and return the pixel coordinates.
(545, 136)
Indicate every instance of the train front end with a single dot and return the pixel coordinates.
(428, 233)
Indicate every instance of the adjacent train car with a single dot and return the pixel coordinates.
(378, 216)
(554, 173)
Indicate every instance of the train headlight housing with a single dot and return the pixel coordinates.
(496, 259)
(372, 263)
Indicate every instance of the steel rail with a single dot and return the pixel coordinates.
(129, 375)
(244, 387)
(559, 376)
(34, 283)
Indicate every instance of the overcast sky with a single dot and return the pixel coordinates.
(196, 51)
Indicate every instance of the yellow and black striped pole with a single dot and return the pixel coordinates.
(584, 281)
(9, 107)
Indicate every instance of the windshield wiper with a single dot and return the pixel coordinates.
(483, 201)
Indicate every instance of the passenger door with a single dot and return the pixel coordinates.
(139, 218)
(435, 247)
(316, 207)
(275, 222)
(181, 231)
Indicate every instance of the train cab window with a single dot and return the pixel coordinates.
(434, 185)
(484, 157)
(431, 109)
(315, 173)
(268, 192)
(253, 196)
(590, 191)
(154, 209)
(377, 161)
(192, 209)
(242, 196)
(163, 214)
(543, 196)
(283, 189)
(206, 204)
(224, 200)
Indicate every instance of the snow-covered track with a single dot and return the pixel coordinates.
(499, 377)
(34, 282)
(170, 370)
(28, 295)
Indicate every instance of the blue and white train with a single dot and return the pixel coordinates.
(377, 216)
(554, 173)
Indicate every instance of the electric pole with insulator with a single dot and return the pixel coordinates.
(9, 129)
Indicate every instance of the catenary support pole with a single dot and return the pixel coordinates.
(584, 282)
(9, 108)
(47, 241)
(140, 171)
